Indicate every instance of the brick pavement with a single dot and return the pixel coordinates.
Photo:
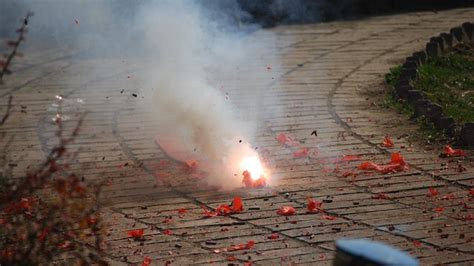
(328, 76)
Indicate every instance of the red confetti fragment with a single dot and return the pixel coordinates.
(250, 183)
(449, 196)
(314, 205)
(397, 163)
(471, 192)
(248, 263)
(274, 236)
(182, 211)
(66, 245)
(285, 140)
(190, 165)
(146, 261)
(232, 258)
(348, 173)
(237, 205)
(138, 233)
(347, 158)
(417, 243)
(432, 192)
(468, 217)
(380, 196)
(301, 153)
(208, 213)
(167, 232)
(448, 151)
(438, 209)
(328, 217)
(43, 235)
(247, 245)
(167, 220)
(322, 256)
(387, 142)
(286, 211)
(224, 209)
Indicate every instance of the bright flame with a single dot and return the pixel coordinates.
(254, 166)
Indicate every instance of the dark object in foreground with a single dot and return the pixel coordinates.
(366, 252)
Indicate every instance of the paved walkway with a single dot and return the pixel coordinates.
(330, 80)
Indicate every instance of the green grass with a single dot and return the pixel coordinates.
(449, 82)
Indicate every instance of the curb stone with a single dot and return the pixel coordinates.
(437, 46)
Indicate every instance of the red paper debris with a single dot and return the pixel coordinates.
(43, 235)
(224, 209)
(182, 211)
(208, 213)
(438, 209)
(286, 211)
(397, 163)
(471, 192)
(448, 151)
(232, 258)
(314, 205)
(301, 153)
(237, 205)
(167, 220)
(274, 236)
(167, 232)
(449, 196)
(417, 243)
(285, 140)
(248, 245)
(138, 233)
(387, 142)
(328, 217)
(346, 158)
(250, 183)
(432, 192)
(380, 196)
(348, 173)
(190, 165)
(146, 261)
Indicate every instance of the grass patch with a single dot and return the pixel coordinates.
(449, 82)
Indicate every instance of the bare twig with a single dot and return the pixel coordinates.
(4, 64)
(7, 112)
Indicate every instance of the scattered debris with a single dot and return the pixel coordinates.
(250, 244)
(314, 205)
(387, 142)
(286, 211)
(146, 261)
(285, 140)
(380, 196)
(274, 236)
(136, 234)
(448, 151)
(397, 164)
(301, 153)
(432, 192)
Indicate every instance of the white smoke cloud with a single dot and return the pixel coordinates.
(185, 46)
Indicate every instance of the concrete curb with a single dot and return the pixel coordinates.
(437, 46)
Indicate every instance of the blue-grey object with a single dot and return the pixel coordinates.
(366, 252)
